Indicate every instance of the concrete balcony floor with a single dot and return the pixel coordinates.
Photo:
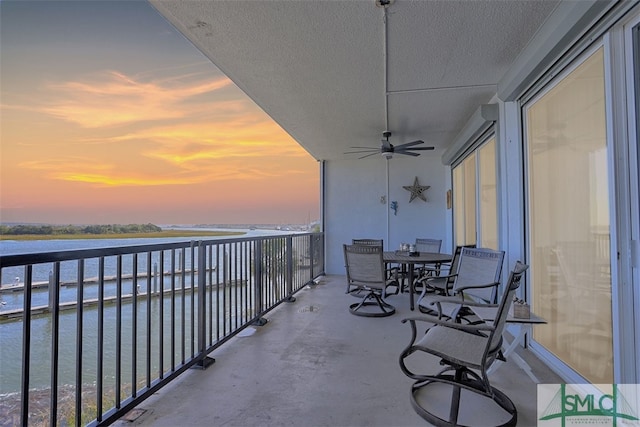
(315, 364)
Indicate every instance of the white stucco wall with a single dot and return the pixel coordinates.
(353, 207)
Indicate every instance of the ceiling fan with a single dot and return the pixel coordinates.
(387, 149)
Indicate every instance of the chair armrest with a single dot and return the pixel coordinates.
(446, 276)
(485, 285)
(462, 289)
(453, 299)
(437, 268)
(442, 267)
(457, 299)
(480, 304)
(449, 324)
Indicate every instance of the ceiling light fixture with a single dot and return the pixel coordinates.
(384, 3)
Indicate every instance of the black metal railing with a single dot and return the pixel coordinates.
(97, 331)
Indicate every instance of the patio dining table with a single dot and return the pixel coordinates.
(410, 261)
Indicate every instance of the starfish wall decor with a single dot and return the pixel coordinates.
(416, 190)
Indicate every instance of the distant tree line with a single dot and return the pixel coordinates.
(78, 229)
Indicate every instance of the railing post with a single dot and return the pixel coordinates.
(289, 270)
(312, 258)
(204, 361)
(79, 340)
(26, 345)
(55, 342)
(226, 277)
(258, 261)
(316, 250)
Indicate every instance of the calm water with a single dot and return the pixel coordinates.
(13, 247)
(11, 332)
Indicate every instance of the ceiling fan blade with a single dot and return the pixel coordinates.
(422, 148)
(368, 155)
(388, 148)
(409, 144)
(375, 150)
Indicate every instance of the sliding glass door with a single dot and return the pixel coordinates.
(569, 219)
(631, 333)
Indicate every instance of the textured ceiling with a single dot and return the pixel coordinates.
(333, 74)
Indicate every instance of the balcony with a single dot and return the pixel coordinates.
(90, 333)
(286, 349)
(315, 364)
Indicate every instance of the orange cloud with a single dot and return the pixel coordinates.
(113, 98)
(186, 143)
(66, 163)
(88, 171)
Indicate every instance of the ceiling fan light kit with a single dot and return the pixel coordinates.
(384, 3)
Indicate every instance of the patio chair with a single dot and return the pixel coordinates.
(467, 352)
(442, 283)
(421, 245)
(477, 279)
(368, 242)
(366, 277)
(427, 245)
(393, 273)
(363, 242)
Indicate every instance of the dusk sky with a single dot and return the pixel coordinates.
(109, 115)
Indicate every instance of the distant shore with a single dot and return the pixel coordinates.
(158, 234)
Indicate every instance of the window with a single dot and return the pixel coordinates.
(475, 198)
(488, 203)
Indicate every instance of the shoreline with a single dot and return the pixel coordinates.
(159, 234)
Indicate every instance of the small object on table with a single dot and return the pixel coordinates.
(521, 310)
(407, 253)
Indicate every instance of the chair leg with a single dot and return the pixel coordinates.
(462, 379)
(372, 299)
(395, 284)
(455, 398)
